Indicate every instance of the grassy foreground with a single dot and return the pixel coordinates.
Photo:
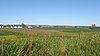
(17, 44)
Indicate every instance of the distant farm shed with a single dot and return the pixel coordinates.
(29, 26)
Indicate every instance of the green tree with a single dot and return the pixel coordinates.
(8, 25)
(12, 26)
(23, 25)
(93, 26)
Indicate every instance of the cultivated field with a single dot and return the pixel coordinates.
(50, 42)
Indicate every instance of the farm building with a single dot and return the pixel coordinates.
(1, 27)
(15, 26)
(29, 26)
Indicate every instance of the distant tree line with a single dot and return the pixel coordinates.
(94, 27)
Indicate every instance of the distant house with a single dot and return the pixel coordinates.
(11, 26)
(29, 26)
(1, 26)
(17, 26)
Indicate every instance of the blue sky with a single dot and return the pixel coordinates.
(50, 12)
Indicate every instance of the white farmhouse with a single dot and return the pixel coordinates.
(29, 26)
(1, 26)
(17, 26)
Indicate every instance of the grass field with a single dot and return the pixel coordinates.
(71, 29)
(49, 42)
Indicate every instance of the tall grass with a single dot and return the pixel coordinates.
(5, 33)
(50, 45)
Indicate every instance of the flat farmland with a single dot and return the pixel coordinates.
(49, 42)
(60, 32)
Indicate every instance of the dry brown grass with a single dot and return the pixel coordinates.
(30, 31)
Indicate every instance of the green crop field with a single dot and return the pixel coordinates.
(71, 29)
(50, 42)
